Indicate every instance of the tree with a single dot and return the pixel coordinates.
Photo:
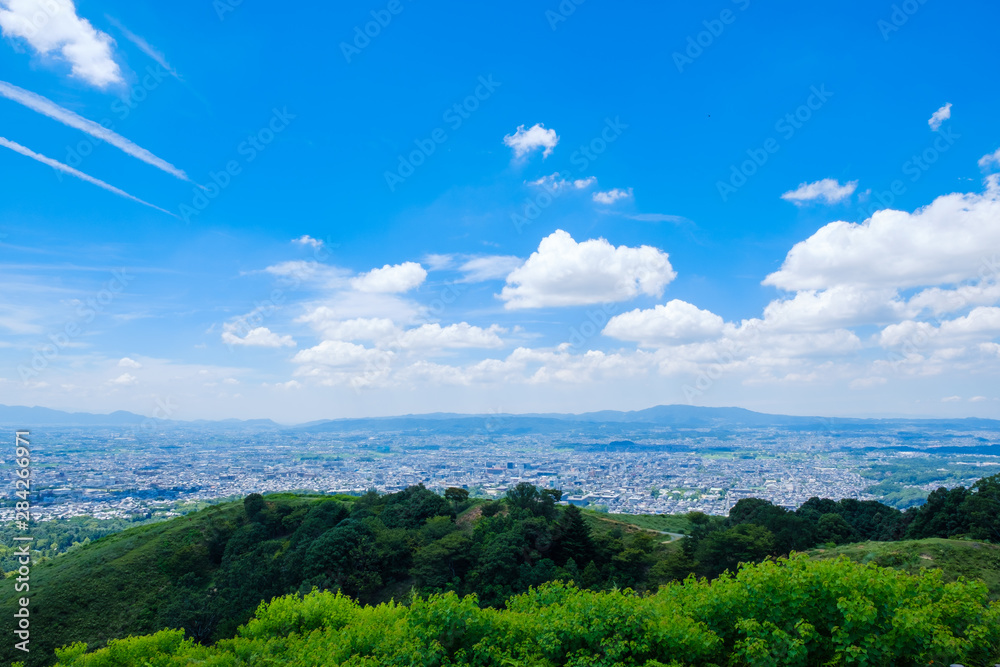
(572, 537)
(455, 495)
(982, 509)
(725, 549)
(941, 515)
(833, 528)
(253, 505)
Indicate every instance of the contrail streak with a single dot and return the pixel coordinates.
(47, 107)
(144, 46)
(27, 152)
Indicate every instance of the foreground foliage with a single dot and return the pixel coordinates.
(785, 612)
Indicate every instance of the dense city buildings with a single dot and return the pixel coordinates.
(105, 472)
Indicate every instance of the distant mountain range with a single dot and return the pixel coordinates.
(608, 421)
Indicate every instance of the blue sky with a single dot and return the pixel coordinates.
(218, 210)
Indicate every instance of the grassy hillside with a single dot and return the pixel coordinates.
(956, 558)
(209, 570)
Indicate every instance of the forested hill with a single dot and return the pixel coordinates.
(207, 572)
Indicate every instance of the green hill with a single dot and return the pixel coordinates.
(208, 571)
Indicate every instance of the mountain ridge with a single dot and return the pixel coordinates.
(675, 415)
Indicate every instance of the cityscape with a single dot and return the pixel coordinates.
(116, 472)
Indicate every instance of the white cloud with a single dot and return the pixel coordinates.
(611, 196)
(391, 279)
(840, 306)
(340, 354)
(48, 108)
(563, 272)
(981, 323)
(125, 380)
(951, 399)
(946, 242)
(524, 141)
(125, 362)
(492, 267)
(939, 116)
(938, 301)
(258, 337)
(556, 182)
(305, 239)
(53, 29)
(828, 189)
(349, 305)
(358, 328)
(461, 335)
(978, 399)
(300, 271)
(990, 159)
(439, 262)
(670, 324)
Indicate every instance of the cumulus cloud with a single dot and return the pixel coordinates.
(939, 116)
(942, 243)
(125, 362)
(828, 190)
(257, 337)
(391, 278)
(54, 30)
(525, 141)
(125, 380)
(563, 272)
(839, 306)
(453, 336)
(611, 196)
(670, 324)
(981, 323)
(340, 354)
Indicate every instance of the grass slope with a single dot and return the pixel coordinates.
(112, 587)
(965, 558)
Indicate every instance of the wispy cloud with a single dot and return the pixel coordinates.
(659, 217)
(990, 159)
(18, 148)
(611, 196)
(47, 107)
(828, 189)
(53, 28)
(144, 46)
(940, 116)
